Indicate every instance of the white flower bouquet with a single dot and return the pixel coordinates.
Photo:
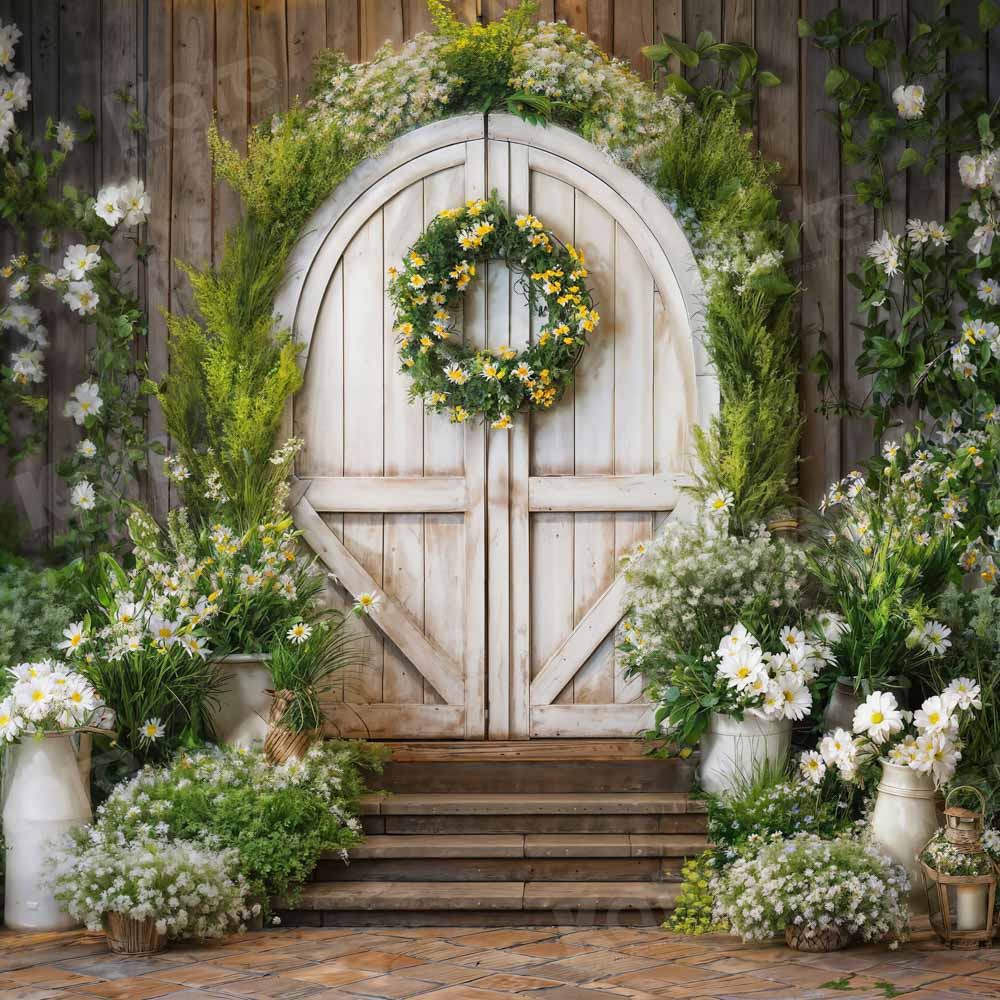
(927, 740)
(776, 684)
(813, 885)
(188, 890)
(47, 697)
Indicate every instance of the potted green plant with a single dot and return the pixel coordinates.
(303, 666)
(882, 560)
(717, 626)
(242, 591)
(912, 755)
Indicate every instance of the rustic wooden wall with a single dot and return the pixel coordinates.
(243, 60)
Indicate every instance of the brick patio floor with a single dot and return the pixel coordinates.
(484, 964)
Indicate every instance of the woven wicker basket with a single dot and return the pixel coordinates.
(281, 743)
(805, 938)
(128, 936)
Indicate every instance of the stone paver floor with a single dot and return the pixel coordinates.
(483, 964)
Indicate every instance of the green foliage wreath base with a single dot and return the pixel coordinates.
(437, 270)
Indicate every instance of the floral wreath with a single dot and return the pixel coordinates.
(492, 383)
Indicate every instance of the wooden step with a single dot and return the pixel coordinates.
(475, 825)
(514, 858)
(527, 846)
(524, 903)
(493, 751)
(476, 804)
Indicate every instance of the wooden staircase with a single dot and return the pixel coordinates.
(549, 832)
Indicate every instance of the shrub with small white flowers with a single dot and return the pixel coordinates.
(810, 883)
(191, 891)
(719, 623)
(278, 818)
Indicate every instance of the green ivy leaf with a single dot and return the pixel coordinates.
(909, 158)
(672, 47)
(806, 30)
(768, 79)
(835, 79)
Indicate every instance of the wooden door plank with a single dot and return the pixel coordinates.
(520, 468)
(594, 393)
(364, 416)
(475, 473)
(562, 665)
(392, 619)
(635, 302)
(403, 441)
(552, 454)
(375, 722)
(633, 28)
(552, 721)
(821, 262)
(444, 533)
(232, 105)
(498, 615)
(159, 153)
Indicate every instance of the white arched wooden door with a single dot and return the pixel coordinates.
(496, 552)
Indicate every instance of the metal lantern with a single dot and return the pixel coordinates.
(962, 907)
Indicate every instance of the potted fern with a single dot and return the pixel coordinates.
(304, 665)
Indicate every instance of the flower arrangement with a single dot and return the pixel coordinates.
(946, 859)
(279, 818)
(883, 556)
(693, 911)
(304, 664)
(47, 697)
(241, 589)
(441, 265)
(188, 890)
(696, 584)
(927, 740)
(811, 883)
(775, 684)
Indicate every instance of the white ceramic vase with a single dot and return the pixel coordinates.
(45, 798)
(245, 700)
(840, 709)
(904, 819)
(733, 752)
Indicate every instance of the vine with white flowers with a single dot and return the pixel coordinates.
(65, 262)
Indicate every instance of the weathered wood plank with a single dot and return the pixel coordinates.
(159, 178)
(403, 557)
(381, 21)
(474, 650)
(821, 301)
(268, 35)
(343, 27)
(633, 28)
(306, 38)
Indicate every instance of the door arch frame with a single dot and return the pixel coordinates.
(407, 160)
